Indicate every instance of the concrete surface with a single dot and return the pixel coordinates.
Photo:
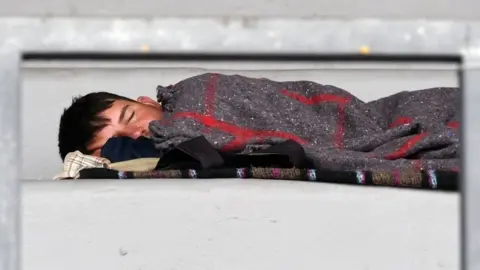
(48, 87)
(389, 9)
(235, 224)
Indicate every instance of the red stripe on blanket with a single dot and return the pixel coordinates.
(340, 130)
(339, 133)
(210, 94)
(402, 151)
(453, 124)
(401, 121)
(314, 99)
(241, 135)
(209, 103)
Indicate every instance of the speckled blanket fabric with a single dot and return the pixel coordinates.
(418, 129)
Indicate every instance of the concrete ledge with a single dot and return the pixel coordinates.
(236, 224)
(344, 9)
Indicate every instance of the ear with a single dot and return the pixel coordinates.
(148, 101)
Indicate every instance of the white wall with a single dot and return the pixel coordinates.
(236, 224)
(390, 9)
(48, 88)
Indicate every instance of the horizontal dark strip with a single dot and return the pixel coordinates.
(107, 56)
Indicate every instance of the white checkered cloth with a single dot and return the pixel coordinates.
(76, 161)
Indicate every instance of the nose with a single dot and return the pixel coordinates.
(133, 133)
(136, 134)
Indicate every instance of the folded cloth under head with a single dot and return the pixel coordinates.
(76, 161)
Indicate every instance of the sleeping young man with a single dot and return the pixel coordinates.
(337, 130)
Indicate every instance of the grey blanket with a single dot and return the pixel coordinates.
(338, 131)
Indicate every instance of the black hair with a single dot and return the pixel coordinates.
(81, 121)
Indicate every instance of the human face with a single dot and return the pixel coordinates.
(127, 118)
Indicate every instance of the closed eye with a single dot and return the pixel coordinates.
(131, 117)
